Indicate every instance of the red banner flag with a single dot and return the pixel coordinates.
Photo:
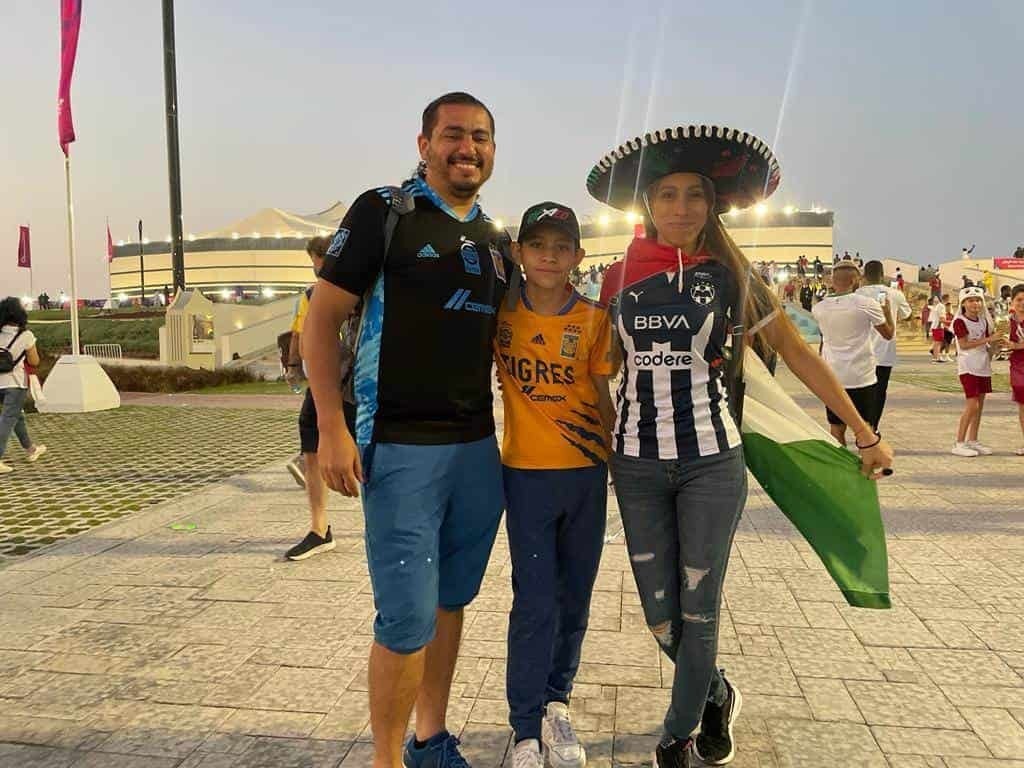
(24, 248)
(110, 245)
(70, 19)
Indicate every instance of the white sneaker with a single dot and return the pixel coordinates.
(962, 449)
(561, 747)
(37, 451)
(5, 468)
(1019, 451)
(526, 754)
(983, 450)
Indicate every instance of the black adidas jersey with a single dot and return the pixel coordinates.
(672, 328)
(423, 364)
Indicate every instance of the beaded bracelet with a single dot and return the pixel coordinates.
(865, 447)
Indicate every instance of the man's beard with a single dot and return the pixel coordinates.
(461, 188)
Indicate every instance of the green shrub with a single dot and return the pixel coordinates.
(177, 379)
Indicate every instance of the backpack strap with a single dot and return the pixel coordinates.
(401, 204)
(515, 278)
(11, 344)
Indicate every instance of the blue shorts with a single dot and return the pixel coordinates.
(432, 512)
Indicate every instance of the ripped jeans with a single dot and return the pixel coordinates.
(679, 519)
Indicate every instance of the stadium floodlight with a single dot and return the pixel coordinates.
(604, 220)
(632, 217)
(734, 211)
(268, 292)
(760, 209)
(226, 294)
(789, 210)
(499, 224)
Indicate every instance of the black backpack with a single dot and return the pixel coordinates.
(7, 361)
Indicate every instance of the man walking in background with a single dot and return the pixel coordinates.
(884, 349)
(847, 321)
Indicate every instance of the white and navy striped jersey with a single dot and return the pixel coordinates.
(671, 328)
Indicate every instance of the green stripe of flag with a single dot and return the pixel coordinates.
(818, 485)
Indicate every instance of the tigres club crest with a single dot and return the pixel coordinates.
(702, 293)
(570, 341)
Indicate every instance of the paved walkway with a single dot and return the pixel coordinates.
(105, 465)
(139, 645)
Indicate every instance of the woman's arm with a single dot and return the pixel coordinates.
(814, 372)
(966, 345)
(32, 356)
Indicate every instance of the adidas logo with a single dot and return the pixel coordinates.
(538, 339)
(427, 252)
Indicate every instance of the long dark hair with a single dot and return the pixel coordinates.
(13, 313)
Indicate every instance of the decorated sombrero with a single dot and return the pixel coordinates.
(740, 165)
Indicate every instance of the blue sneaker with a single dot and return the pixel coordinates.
(440, 751)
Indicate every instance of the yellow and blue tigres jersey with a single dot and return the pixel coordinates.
(544, 365)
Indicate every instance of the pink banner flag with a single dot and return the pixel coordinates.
(110, 245)
(70, 18)
(24, 248)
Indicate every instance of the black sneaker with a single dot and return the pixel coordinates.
(672, 753)
(714, 743)
(311, 545)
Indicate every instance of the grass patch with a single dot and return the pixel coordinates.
(943, 382)
(138, 337)
(248, 388)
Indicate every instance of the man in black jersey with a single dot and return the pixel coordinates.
(424, 453)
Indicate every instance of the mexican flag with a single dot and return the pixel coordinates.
(817, 484)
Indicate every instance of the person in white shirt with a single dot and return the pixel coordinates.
(936, 316)
(974, 331)
(847, 321)
(17, 346)
(884, 349)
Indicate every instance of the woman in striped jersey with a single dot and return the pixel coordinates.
(678, 461)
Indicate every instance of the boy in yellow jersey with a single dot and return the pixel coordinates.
(553, 358)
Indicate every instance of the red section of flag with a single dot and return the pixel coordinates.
(639, 230)
(70, 19)
(110, 246)
(24, 248)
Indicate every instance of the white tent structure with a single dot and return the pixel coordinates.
(264, 253)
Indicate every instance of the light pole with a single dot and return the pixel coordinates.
(142, 269)
(173, 161)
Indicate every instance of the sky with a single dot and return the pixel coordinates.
(904, 118)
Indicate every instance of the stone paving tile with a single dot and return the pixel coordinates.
(829, 700)
(266, 661)
(84, 482)
(804, 744)
(1002, 734)
(29, 756)
(928, 741)
(904, 704)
